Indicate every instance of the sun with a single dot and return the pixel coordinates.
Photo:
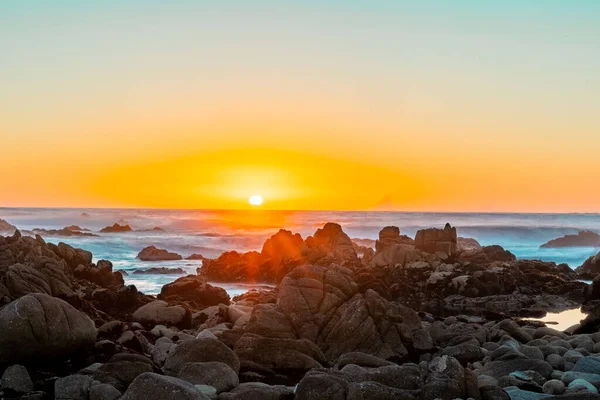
(255, 200)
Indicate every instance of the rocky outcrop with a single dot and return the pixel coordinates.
(583, 238)
(329, 245)
(116, 228)
(590, 268)
(194, 291)
(67, 231)
(151, 253)
(160, 313)
(323, 305)
(38, 327)
(434, 240)
(283, 247)
(5, 227)
(390, 235)
(195, 257)
(467, 244)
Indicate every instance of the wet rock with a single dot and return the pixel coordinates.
(159, 271)
(590, 268)
(194, 290)
(498, 369)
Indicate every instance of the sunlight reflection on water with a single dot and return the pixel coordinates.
(563, 319)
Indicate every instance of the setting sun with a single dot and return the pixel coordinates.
(255, 200)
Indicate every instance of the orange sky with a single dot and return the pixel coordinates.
(489, 108)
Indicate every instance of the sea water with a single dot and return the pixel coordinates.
(210, 233)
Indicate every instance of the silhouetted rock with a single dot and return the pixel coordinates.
(590, 268)
(329, 244)
(283, 247)
(583, 238)
(433, 240)
(155, 229)
(390, 235)
(195, 257)
(152, 253)
(115, 228)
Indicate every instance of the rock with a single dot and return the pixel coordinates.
(433, 240)
(519, 394)
(73, 387)
(377, 391)
(323, 384)
(389, 236)
(160, 313)
(394, 255)
(446, 379)
(361, 359)
(200, 350)
(282, 248)
(498, 369)
(216, 374)
(162, 348)
(152, 253)
(590, 268)
(28, 336)
(583, 238)
(278, 353)
(194, 290)
(589, 364)
(258, 391)
(328, 244)
(467, 244)
(104, 391)
(405, 377)
(160, 271)
(116, 228)
(151, 386)
(122, 371)
(570, 376)
(195, 257)
(554, 386)
(16, 379)
(582, 384)
(5, 227)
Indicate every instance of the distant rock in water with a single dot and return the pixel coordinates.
(195, 257)
(159, 271)
(84, 215)
(75, 228)
(67, 231)
(116, 228)
(582, 239)
(590, 268)
(151, 253)
(464, 244)
(433, 240)
(6, 227)
(155, 229)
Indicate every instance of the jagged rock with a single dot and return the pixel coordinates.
(28, 336)
(160, 313)
(590, 269)
(151, 253)
(283, 247)
(5, 227)
(434, 240)
(329, 244)
(395, 255)
(390, 235)
(194, 289)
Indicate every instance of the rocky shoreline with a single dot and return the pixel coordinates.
(434, 317)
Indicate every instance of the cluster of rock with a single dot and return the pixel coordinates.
(151, 253)
(336, 327)
(116, 228)
(583, 238)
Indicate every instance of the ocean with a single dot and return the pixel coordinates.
(210, 233)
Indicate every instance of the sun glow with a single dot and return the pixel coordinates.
(255, 200)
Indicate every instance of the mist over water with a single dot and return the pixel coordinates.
(210, 233)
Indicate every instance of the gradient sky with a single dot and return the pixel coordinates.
(433, 105)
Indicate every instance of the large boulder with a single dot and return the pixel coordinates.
(200, 350)
(590, 268)
(433, 240)
(213, 373)
(390, 235)
(395, 254)
(160, 313)
(151, 386)
(38, 327)
(73, 256)
(6, 227)
(195, 290)
(151, 253)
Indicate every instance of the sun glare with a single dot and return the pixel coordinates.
(255, 200)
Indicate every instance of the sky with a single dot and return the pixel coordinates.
(357, 105)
